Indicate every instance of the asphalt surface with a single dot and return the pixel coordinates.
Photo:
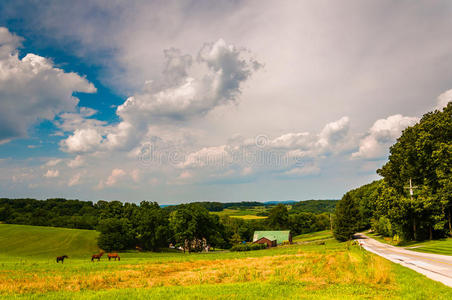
(434, 266)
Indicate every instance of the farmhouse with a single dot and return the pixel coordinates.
(272, 238)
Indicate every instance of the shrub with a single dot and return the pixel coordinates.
(248, 247)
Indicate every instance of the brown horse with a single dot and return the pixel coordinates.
(97, 256)
(61, 258)
(113, 255)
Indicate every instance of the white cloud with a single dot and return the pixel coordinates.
(76, 162)
(381, 135)
(53, 162)
(444, 99)
(116, 175)
(32, 89)
(303, 171)
(216, 80)
(52, 173)
(83, 140)
(75, 179)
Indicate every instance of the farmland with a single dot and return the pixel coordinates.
(308, 271)
(249, 213)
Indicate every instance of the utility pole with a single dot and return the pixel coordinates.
(411, 187)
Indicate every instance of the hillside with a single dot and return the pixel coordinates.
(315, 206)
(37, 241)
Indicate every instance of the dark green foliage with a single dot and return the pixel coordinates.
(423, 154)
(51, 212)
(314, 206)
(115, 234)
(347, 218)
(278, 217)
(305, 222)
(248, 247)
(192, 222)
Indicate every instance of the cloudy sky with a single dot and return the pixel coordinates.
(178, 101)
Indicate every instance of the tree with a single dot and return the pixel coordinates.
(278, 217)
(347, 218)
(151, 226)
(115, 234)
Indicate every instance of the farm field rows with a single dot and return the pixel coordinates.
(306, 271)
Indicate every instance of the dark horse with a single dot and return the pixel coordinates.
(61, 258)
(113, 255)
(97, 256)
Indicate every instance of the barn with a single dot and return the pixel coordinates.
(275, 237)
(264, 240)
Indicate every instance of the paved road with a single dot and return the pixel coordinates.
(434, 266)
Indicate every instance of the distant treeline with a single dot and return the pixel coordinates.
(150, 227)
(313, 206)
(422, 158)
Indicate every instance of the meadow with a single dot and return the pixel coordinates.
(309, 270)
(249, 213)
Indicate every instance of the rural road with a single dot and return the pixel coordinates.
(434, 266)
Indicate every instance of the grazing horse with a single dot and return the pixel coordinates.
(61, 258)
(113, 255)
(97, 256)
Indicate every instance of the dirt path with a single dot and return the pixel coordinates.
(434, 266)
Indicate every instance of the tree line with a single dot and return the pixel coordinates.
(421, 156)
(148, 226)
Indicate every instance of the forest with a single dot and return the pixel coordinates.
(149, 226)
(422, 157)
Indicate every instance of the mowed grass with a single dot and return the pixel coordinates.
(306, 271)
(313, 236)
(46, 242)
(442, 246)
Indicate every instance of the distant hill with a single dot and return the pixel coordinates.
(315, 206)
(38, 241)
(287, 202)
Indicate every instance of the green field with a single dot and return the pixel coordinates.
(314, 236)
(46, 242)
(243, 213)
(301, 271)
(442, 246)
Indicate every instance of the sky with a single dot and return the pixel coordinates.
(180, 101)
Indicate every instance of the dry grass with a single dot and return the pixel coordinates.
(314, 269)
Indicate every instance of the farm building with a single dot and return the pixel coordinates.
(264, 240)
(274, 237)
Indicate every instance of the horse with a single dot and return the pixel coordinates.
(97, 256)
(113, 255)
(61, 258)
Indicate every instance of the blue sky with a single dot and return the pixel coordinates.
(178, 101)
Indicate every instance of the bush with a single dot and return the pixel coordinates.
(248, 247)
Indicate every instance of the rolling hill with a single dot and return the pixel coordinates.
(37, 241)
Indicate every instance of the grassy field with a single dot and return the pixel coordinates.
(46, 242)
(314, 236)
(443, 246)
(305, 271)
(243, 213)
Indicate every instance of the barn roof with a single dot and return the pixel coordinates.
(280, 235)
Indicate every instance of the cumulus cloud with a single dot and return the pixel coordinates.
(116, 174)
(182, 94)
(381, 135)
(52, 173)
(76, 162)
(83, 140)
(444, 99)
(32, 88)
(74, 179)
